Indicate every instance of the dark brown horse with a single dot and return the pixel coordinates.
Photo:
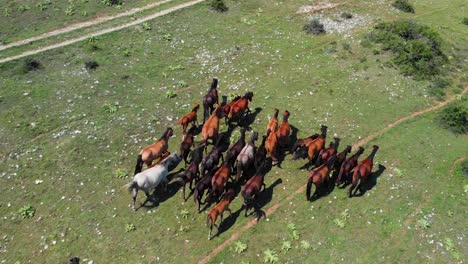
(187, 144)
(210, 99)
(362, 171)
(254, 185)
(325, 154)
(260, 154)
(347, 166)
(219, 181)
(203, 185)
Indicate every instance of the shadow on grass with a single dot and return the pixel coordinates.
(371, 181)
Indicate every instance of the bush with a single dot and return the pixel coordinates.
(455, 118)
(218, 5)
(437, 87)
(403, 5)
(346, 15)
(465, 20)
(314, 27)
(27, 211)
(91, 65)
(111, 2)
(416, 48)
(31, 65)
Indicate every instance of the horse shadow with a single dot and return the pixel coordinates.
(229, 221)
(371, 181)
(249, 118)
(265, 198)
(160, 195)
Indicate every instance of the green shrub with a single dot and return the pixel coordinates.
(130, 228)
(91, 65)
(455, 118)
(346, 15)
(437, 87)
(465, 21)
(31, 65)
(111, 2)
(416, 48)
(27, 211)
(314, 27)
(218, 5)
(403, 5)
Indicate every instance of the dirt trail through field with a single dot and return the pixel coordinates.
(80, 25)
(102, 32)
(361, 142)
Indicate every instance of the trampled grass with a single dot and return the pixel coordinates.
(55, 129)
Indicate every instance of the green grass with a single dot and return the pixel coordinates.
(55, 129)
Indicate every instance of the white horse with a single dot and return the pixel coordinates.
(152, 177)
(246, 157)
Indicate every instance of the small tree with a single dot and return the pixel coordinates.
(218, 5)
(455, 118)
(314, 27)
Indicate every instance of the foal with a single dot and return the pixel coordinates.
(218, 210)
(154, 151)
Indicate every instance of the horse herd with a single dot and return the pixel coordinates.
(244, 164)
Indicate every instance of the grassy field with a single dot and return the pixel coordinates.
(26, 18)
(55, 129)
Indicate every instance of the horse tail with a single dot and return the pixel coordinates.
(130, 186)
(356, 176)
(340, 174)
(239, 169)
(139, 164)
(208, 220)
(179, 178)
(309, 187)
(195, 196)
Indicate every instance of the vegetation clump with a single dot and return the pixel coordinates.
(91, 65)
(455, 118)
(465, 21)
(31, 65)
(27, 211)
(346, 15)
(314, 27)
(403, 5)
(111, 2)
(218, 5)
(416, 48)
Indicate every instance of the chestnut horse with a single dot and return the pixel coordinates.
(284, 131)
(347, 166)
(316, 146)
(325, 154)
(218, 210)
(154, 151)
(273, 122)
(191, 117)
(219, 181)
(187, 143)
(210, 99)
(238, 108)
(210, 128)
(319, 176)
(271, 145)
(362, 171)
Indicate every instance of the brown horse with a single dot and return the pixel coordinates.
(316, 146)
(219, 181)
(284, 131)
(246, 158)
(218, 210)
(341, 157)
(347, 166)
(254, 185)
(303, 142)
(191, 117)
(319, 176)
(203, 185)
(154, 151)
(273, 123)
(187, 144)
(239, 107)
(260, 154)
(271, 145)
(210, 99)
(362, 171)
(227, 107)
(210, 128)
(325, 154)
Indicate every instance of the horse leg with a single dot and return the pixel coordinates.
(183, 191)
(134, 194)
